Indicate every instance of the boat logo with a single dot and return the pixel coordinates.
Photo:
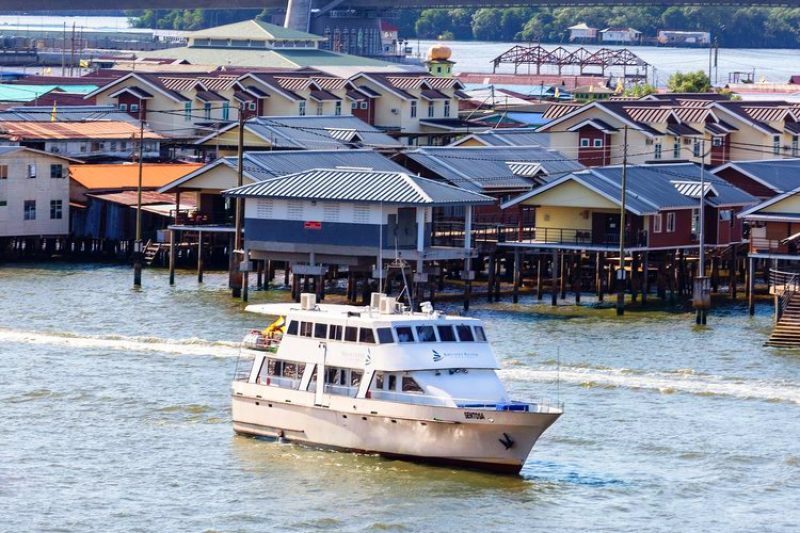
(368, 358)
(437, 356)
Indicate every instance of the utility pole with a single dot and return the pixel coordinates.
(137, 245)
(235, 274)
(702, 294)
(621, 282)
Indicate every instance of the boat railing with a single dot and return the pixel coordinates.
(341, 390)
(279, 381)
(541, 406)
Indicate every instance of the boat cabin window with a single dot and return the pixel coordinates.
(305, 329)
(378, 383)
(465, 333)
(480, 335)
(335, 376)
(426, 334)
(335, 332)
(410, 385)
(292, 329)
(366, 335)
(350, 334)
(404, 334)
(385, 335)
(392, 383)
(278, 368)
(446, 333)
(355, 378)
(320, 331)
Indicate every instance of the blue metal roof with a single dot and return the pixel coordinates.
(360, 185)
(266, 165)
(780, 175)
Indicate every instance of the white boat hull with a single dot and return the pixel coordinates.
(494, 440)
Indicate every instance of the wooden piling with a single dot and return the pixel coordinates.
(733, 266)
(598, 275)
(172, 238)
(645, 277)
(554, 280)
(491, 276)
(200, 257)
(751, 306)
(517, 276)
(539, 265)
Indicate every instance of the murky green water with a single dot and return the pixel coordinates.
(115, 417)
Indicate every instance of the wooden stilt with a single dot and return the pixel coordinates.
(554, 280)
(539, 265)
(200, 257)
(732, 268)
(751, 306)
(634, 277)
(562, 279)
(598, 275)
(517, 276)
(491, 273)
(172, 239)
(645, 277)
(576, 278)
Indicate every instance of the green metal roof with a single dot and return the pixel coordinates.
(253, 29)
(277, 58)
(26, 93)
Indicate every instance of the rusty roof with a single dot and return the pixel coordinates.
(94, 130)
(126, 175)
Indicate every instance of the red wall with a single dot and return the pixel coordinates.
(721, 154)
(682, 236)
(592, 157)
(126, 98)
(367, 115)
(737, 179)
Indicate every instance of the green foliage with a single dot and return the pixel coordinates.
(690, 82)
(640, 90)
(742, 27)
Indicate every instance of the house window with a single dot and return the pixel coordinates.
(364, 105)
(123, 107)
(585, 143)
(776, 144)
(56, 207)
(113, 146)
(657, 219)
(716, 142)
(337, 108)
(226, 110)
(795, 146)
(676, 150)
(354, 105)
(696, 148)
(187, 111)
(31, 170)
(301, 109)
(294, 210)
(413, 109)
(207, 110)
(447, 108)
(3, 172)
(431, 109)
(134, 108)
(251, 106)
(670, 222)
(695, 221)
(123, 146)
(657, 151)
(56, 171)
(29, 210)
(319, 108)
(598, 143)
(361, 214)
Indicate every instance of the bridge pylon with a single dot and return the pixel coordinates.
(298, 15)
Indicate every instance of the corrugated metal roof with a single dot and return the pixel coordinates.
(782, 175)
(485, 168)
(76, 113)
(692, 188)
(124, 176)
(317, 132)
(19, 131)
(359, 185)
(266, 165)
(26, 93)
(512, 137)
(524, 168)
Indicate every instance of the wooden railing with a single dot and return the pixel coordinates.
(452, 234)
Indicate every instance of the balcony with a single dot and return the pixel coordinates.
(452, 234)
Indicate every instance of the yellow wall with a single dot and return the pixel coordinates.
(791, 204)
(571, 193)
(563, 217)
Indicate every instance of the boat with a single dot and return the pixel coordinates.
(381, 379)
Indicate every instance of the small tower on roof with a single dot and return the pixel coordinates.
(438, 62)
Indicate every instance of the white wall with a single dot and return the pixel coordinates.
(344, 212)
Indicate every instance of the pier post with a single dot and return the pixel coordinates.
(732, 268)
(200, 257)
(645, 276)
(517, 276)
(598, 275)
(491, 276)
(539, 264)
(350, 287)
(751, 307)
(286, 271)
(554, 281)
(498, 278)
(562, 285)
(246, 276)
(634, 277)
(259, 275)
(172, 236)
(715, 272)
(576, 278)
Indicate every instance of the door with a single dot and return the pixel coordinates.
(319, 396)
(605, 228)
(407, 227)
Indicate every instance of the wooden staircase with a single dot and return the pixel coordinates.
(151, 251)
(786, 332)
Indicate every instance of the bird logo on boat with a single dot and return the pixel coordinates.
(437, 356)
(368, 358)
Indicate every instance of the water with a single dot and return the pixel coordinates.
(116, 417)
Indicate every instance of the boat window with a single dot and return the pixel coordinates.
(366, 335)
(465, 333)
(392, 382)
(355, 378)
(385, 335)
(480, 335)
(426, 334)
(351, 334)
(334, 376)
(404, 334)
(312, 384)
(305, 329)
(378, 383)
(320, 331)
(335, 332)
(410, 385)
(292, 370)
(446, 333)
(263, 372)
(292, 329)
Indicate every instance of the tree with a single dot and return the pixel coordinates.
(690, 82)
(640, 90)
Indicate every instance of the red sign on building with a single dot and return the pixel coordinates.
(312, 224)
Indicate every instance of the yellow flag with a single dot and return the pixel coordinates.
(84, 63)
(620, 87)
(53, 113)
(557, 93)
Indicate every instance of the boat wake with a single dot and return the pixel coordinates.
(122, 343)
(665, 382)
